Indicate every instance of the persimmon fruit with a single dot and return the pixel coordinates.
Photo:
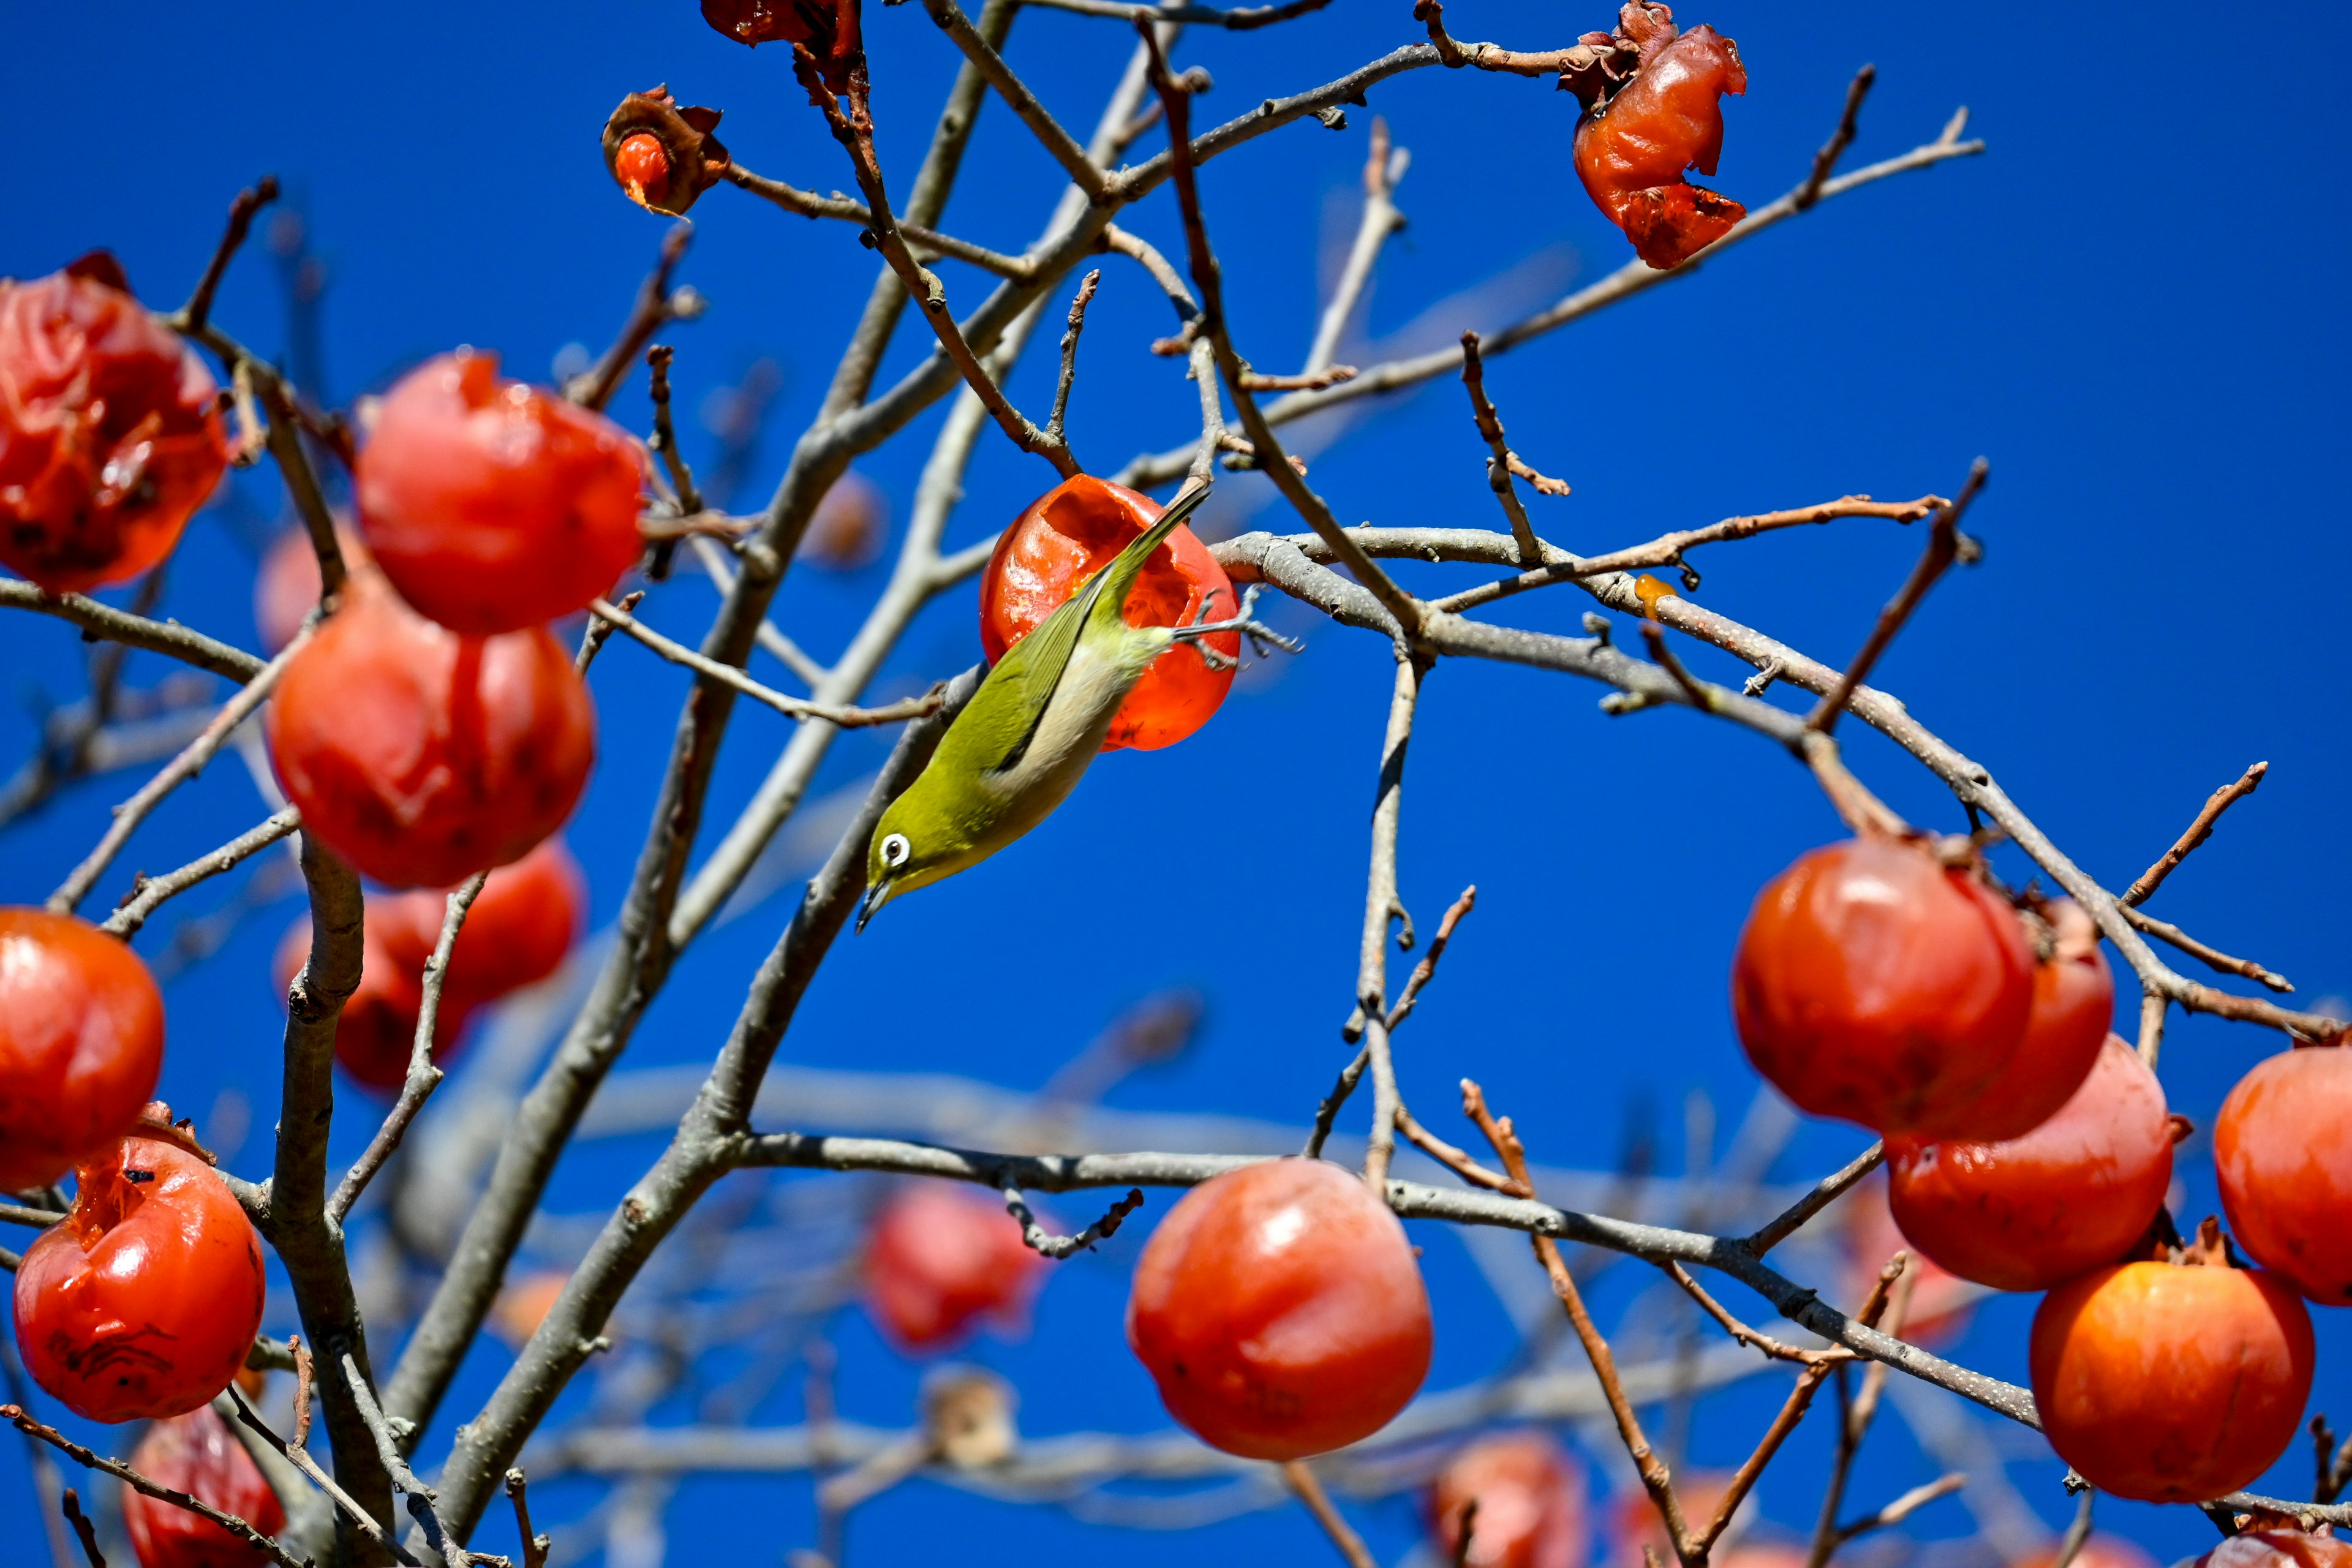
(1632, 151)
(81, 1043)
(2070, 1196)
(2283, 1148)
(1280, 1311)
(940, 1261)
(377, 1029)
(522, 925)
(111, 431)
(286, 589)
(2074, 1009)
(2171, 1383)
(2281, 1546)
(421, 756)
(2101, 1551)
(493, 505)
(144, 1300)
(197, 1454)
(1530, 1502)
(1875, 984)
(641, 165)
(1072, 531)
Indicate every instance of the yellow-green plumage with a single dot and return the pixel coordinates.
(1026, 739)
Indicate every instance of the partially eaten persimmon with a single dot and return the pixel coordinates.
(1632, 148)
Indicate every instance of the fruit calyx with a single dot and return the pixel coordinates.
(2210, 1249)
(156, 1121)
(686, 160)
(1602, 64)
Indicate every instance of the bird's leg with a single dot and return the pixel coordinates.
(1259, 634)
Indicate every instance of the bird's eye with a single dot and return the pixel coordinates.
(894, 850)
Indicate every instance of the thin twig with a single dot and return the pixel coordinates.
(1427, 970)
(1902, 1507)
(101, 620)
(1239, 18)
(2212, 957)
(848, 718)
(1055, 421)
(2078, 1530)
(1084, 172)
(1834, 148)
(1382, 170)
(535, 1547)
(1498, 453)
(297, 1453)
(1747, 1336)
(421, 1498)
(1458, 1161)
(2219, 801)
(1825, 1192)
(249, 201)
(681, 477)
(1308, 1490)
(137, 1482)
(1038, 1239)
(1488, 57)
(148, 893)
(83, 1529)
(656, 306)
(1944, 547)
(1328, 1111)
(808, 203)
(1382, 905)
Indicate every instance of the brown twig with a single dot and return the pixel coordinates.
(149, 893)
(1427, 970)
(1458, 1161)
(1834, 148)
(83, 1529)
(1904, 1506)
(296, 1452)
(2219, 801)
(664, 441)
(848, 718)
(421, 1498)
(1499, 458)
(1741, 1332)
(2213, 958)
(1855, 1412)
(535, 1547)
(2078, 1531)
(1300, 1480)
(1307, 381)
(1489, 57)
(252, 199)
(140, 1483)
(656, 307)
(1383, 167)
(101, 620)
(1824, 1192)
(1328, 1111)
(1040, 1240)
(1944, 547)
(808, 203)
(1056, 420)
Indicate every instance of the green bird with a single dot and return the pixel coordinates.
(1023, 742)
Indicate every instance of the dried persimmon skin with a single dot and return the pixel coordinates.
(1632, 151)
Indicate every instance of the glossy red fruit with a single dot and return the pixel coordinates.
(940, 1260)
(2281, 1547)
(517, 933)
(2073, 1195)
(109, 430)
(829, 27)
(2283, 1148)
(1279, 1308)
(492, 505)
(81, 1043)
(144, 1300)
(1631, 152)
(197, 1454)
(377, 1029)
(421, 756)
(1875, 983)
(641, 165)
(1530, 1505)
(286, 589)
(1072, 531)
(2073, 1008)
(1940, 1303)
(2169, 1383)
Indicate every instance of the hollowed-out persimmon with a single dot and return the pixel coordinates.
(2171, 1383)
(493, 505)
(1876, 983)
(520, 926)
(1069, 533)
(2074, 1007)
(109, 430)
(940, 1261)
(2070, 1196)
(144, 1300)
(198, 1455)
(2283, 1148)
(2281, 1546)
(1631, 151)
(1279, 1308)
(377, 1029)
(421, 756)
(81, 1043)
(1530, 1502)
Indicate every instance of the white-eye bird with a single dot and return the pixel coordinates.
(1039, 718)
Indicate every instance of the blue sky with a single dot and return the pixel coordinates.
(2144, 335)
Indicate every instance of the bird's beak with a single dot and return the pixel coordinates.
(875, 896)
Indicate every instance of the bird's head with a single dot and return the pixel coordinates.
(914, 844)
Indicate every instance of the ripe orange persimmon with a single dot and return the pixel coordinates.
(2171, 1383)
(1530, 1504)
(109, 430)
(2073, 1008)
(492, 505)
(2281, 1546)
(2070, 1196)
(1875, 984)
(197, 1454)
(940, 1261)
(522, 925)
(2283, 1148)
(81, 1043)
(1072, 531)
(144, 1300)
(421, 756)
(1631, 152)
(377, 1029)
(1279, 1308)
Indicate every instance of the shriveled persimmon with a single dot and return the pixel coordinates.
(520, 926)
(144, 1300)
(1877, 983)
(2279, 1544)
(2172, 1382)
(940, 1260)
(109, 430)
(1632, 150)
(1280, 1312)
(2283, 1148)
(81, 1043)
(1065, 536)
(377, 1029)
(421, 756)
(198, 1455)
(829, 27)
(2073, 1008)
(1529, 1503)
(2070, 1196)
(493, 505)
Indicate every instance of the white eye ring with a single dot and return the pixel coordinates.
(894, 850)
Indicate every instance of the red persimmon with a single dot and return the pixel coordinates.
(421, 756)
(1875, 984)
(517, 933)
(829, 27)
(2283, 1148)
(1072, 531)
(1631, 152)
(286, 589)
(81, 1043)
(492, 505)
(2171, 1383)
(377, 1029)
(2281, 1547)
(198, 1455)
(2074, 1007)
(109, 430)
(144, 1300)
(1530, 1505)
(941, 1259)
(1940, 1302)
(641, 165)
(1279, 1308)
(2072, 1194)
